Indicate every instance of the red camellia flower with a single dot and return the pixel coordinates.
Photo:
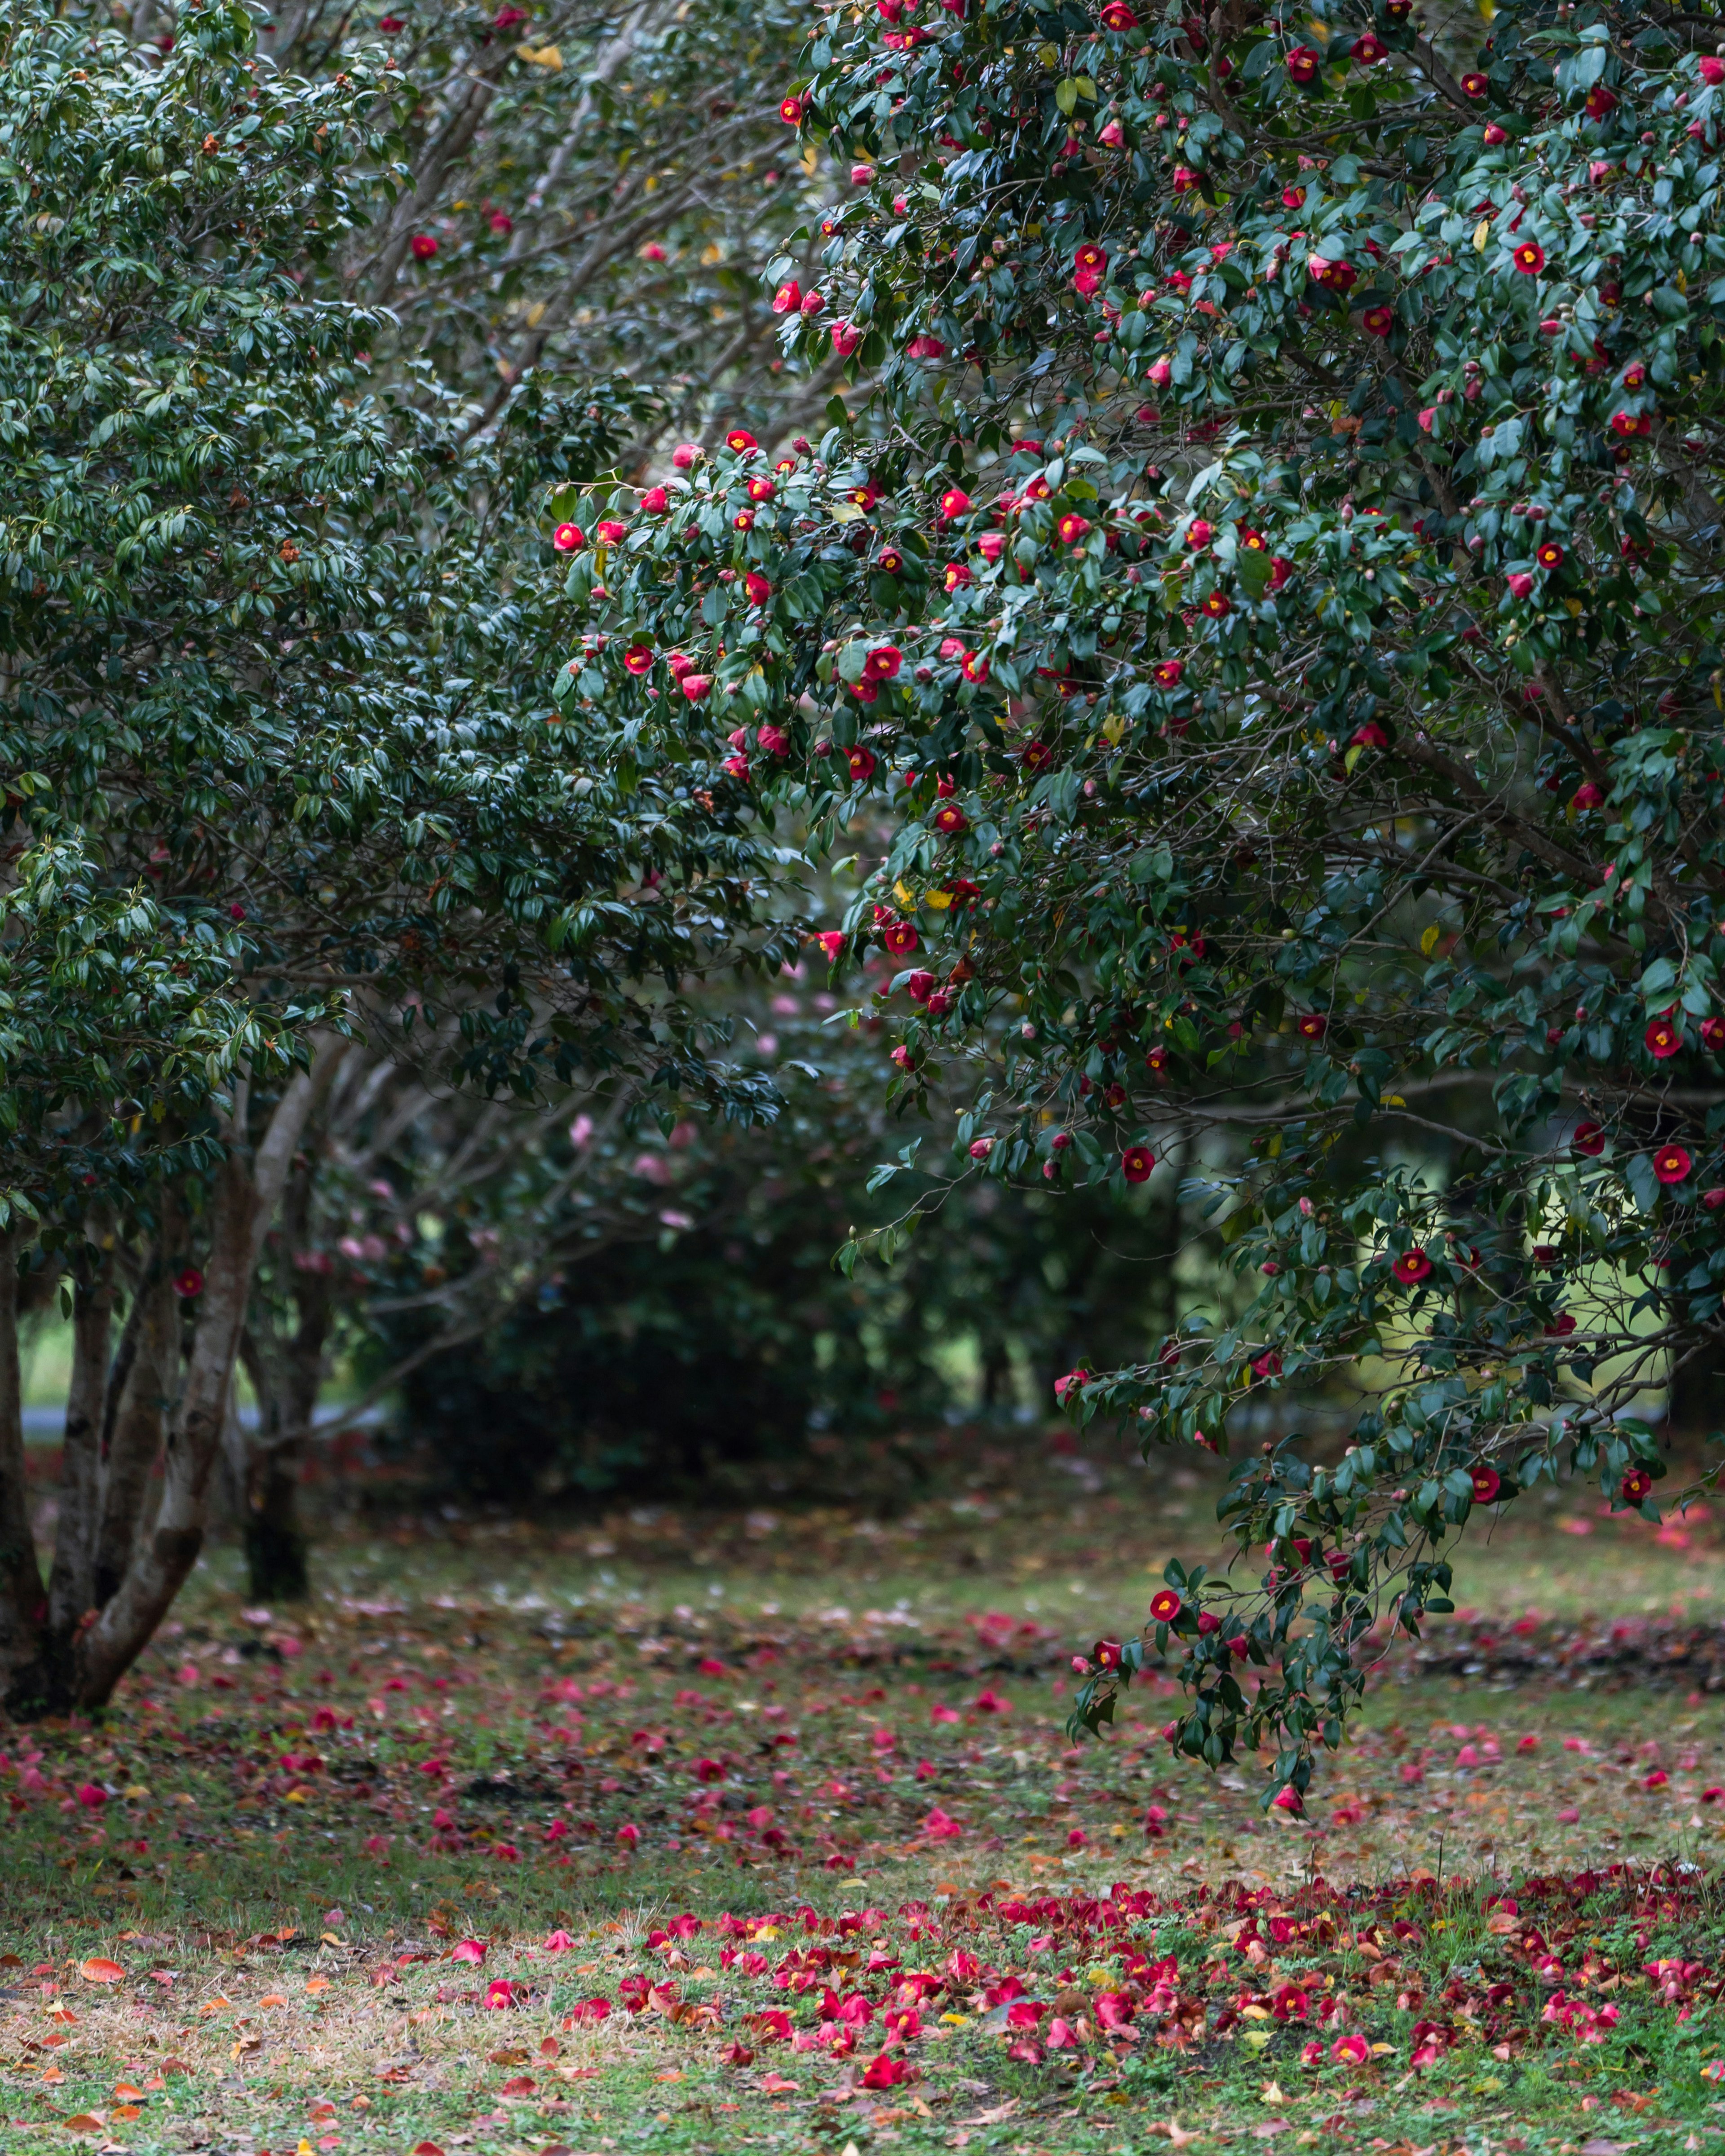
(1378, 321)
(953, 503)
(757, 588)
(1137, 1162)
(1475, 86)
(638, 658)
(1713, 1034)
(1626, 425)
(924, 347)
(1520, 584)
(1073, 1381)
(950, 820)
(1117, 16)
(1312, 1026)
(1636, 1486)
(882, 663)
(860, 763)
(655, 502)
(1165, 1605)
(1369, 50)
(899, 938)
(1599, 101)
(832, 943)
(845, 339)
(761, 489)
(696, 687)
(1550, 556)
(1072, 528)
(739, 439)
(903, 1057)
(1663, 1039)
(791, 112)
(1303, 63)
(1336, 276)
(1185, 180)
(188, 1282)
(424, 246)
(1529, 258)
(956, 575)
(1168, 673)
(611, 533)
(1411, 1266)
(1486, 1483)
(1218, 605)
(686, 455)
(1588, 1138)
(1712, 68)
(1670, 1163)
(568, 539)
(788, 298)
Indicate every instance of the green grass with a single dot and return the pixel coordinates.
(917, 1667)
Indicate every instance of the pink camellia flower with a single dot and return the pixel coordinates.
(980, 1149)
(655, 502)
(1521, 585)
(1350, 2051)
(653, 252)
(1112, 136)
(687, 453)
(774, 740)
(1268, 1364)
(787, 298)
(1289, 1800)
(611, 533)
(905, 1060)
(860, 175)
(680, 664)
(470, 1950)
(1671, 1163)
(845, 339)
(991, 545)
(697, 687)
(1074, 1381)
(92, 1796)
(813, 302)
(737, 765)
(568, 538)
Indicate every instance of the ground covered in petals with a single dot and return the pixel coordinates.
(765, 1833)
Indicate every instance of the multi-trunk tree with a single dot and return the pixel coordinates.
(1276, 590)
(282, 776)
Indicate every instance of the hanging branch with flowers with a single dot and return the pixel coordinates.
(1272, 588)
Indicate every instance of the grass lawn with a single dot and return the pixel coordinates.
(763, 1833)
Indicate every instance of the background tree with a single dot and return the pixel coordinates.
(271, 644)
(1277, 587)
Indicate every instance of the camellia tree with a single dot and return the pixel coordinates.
(1275, 589)
(280, 773)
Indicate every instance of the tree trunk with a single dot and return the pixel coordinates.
(80, 1667)
(145, 1402)
(24, 1606)
(71, 1582)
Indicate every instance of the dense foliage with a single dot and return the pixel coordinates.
(269, 711)
(1276, 588)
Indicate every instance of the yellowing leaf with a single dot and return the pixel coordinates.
(546, 56)
(1481, 233)
(1428, 942)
